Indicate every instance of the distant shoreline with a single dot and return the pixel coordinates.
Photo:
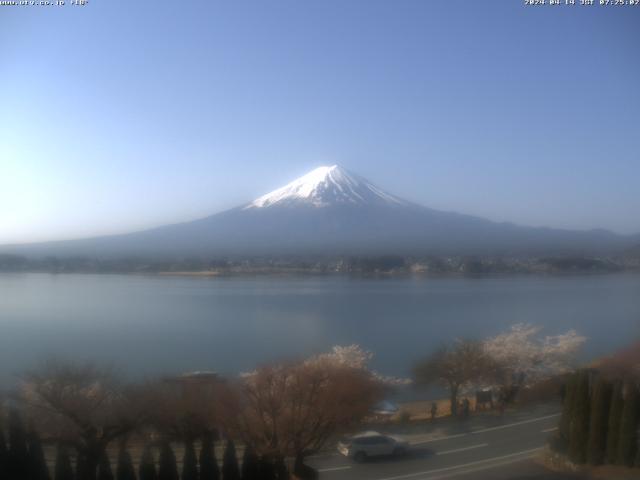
(363, 265)
(310, 273)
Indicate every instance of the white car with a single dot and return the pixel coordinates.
(371, 444)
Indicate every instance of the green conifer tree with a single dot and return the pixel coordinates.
(280, 469)
(63, 468)
(37, 464)
(265, 468)
(208, 464)
(579, 427)
(147, 468)
(601, 398)
(189, 462)
(18, 455)
(628, 442)
(104, 468)
(4, 453)
(124, 469)
(167, 465)
(615, 416)
(250, 469)
(567, 413)
(230, 470)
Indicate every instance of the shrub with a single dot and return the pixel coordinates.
(404, 417)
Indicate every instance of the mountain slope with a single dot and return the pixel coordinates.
(333, 211)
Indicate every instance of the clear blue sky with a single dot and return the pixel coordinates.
(126, 114)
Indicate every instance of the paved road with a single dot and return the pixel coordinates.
(472, 449)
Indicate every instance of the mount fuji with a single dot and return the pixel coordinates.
(333, 211)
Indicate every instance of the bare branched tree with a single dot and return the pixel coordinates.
(455, 367)
(83, 406)
(291, 410)
(185, 407)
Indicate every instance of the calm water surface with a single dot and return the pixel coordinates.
(148, 324)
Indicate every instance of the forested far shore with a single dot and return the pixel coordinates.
(380, 264)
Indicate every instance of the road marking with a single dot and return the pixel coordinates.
(437, 439)
(446, 452)
(522, 454)
(334, 469)
(467, 471)
(523, 422)
(547, 430)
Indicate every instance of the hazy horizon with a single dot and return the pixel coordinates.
(492, 109)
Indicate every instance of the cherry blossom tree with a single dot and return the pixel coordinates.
(523, 356)
(354, 356)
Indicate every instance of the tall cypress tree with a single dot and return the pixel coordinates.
(147, 467)
(265, 467)
(18, 455)
(124, 469)
(567, 412)
(280, 469)
(249, 469)
(208, 464)
(104, 468)
(63, 468)
(613, 429)
(601, 399)
(230, 470)
(37, 464)
(167, 466)
(579, 427)
(628, 442)
(189, 462)
(3, 455)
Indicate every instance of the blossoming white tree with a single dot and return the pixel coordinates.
(354, 356)
(524, 357)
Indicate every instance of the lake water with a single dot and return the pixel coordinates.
(153, 324)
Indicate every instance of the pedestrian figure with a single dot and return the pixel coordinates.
(434, 411)
(465, 408)
(502, 402)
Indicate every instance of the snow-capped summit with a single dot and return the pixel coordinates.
(327, 186)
